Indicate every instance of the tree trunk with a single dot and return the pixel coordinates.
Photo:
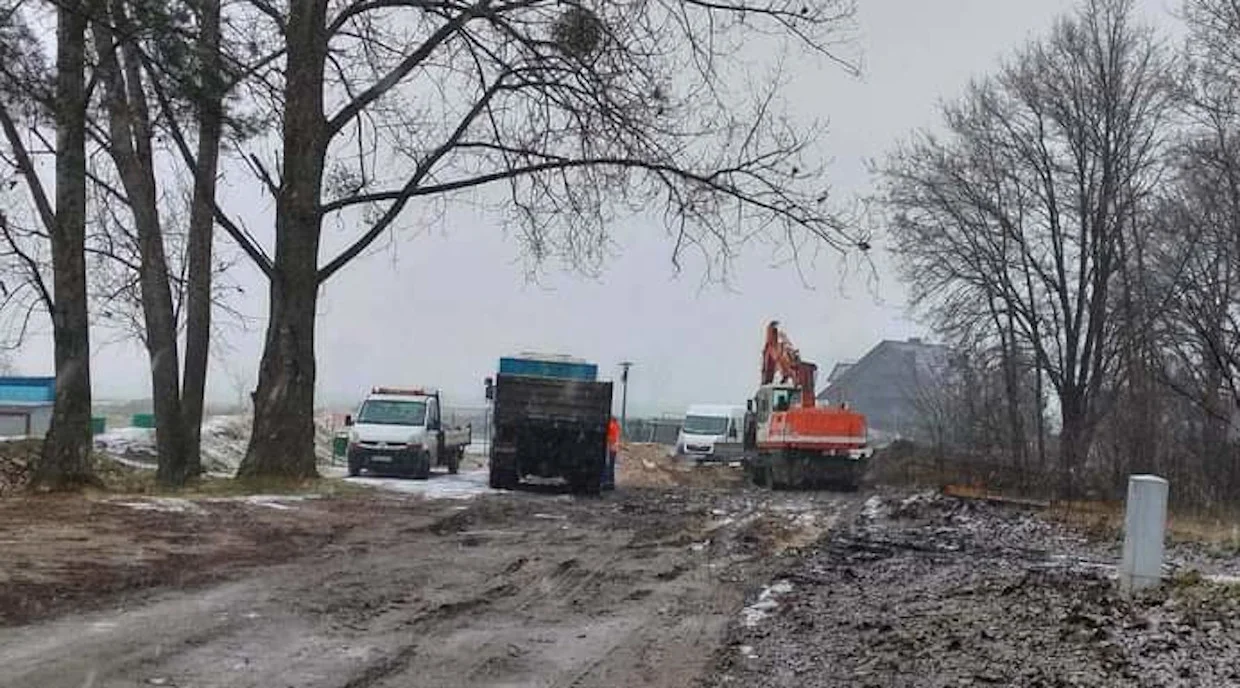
(65, 461)
(1012, 390)
(201, 224)
(1072, 444)
(282, 440)
(130, 147)
(1040, 406)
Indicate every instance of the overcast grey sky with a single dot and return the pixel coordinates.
(439, 307)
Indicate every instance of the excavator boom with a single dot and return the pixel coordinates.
(780, 356)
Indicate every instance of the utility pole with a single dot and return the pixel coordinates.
(624, 394)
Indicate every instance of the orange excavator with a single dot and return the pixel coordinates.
(790, 441)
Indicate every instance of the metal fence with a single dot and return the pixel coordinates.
(663, 430)
(659, 430)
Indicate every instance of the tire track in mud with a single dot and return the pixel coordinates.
(503, 591)
(424, 625)
(515, 586)
(565, 580)
(577, 578)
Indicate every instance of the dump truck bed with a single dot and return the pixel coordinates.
(550, 428)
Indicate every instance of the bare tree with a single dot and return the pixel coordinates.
(1014, 223)
(130, 143)
(577, 114)
(65, 460)
(209, 103)
(162, 71)
(28, 94)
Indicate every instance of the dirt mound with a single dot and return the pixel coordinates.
(650, 465)
(15, 457)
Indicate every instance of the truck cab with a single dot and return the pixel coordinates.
(401, 431)
(711, 432)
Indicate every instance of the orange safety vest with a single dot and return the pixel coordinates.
(613, 435)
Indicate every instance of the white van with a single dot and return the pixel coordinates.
(712, 432)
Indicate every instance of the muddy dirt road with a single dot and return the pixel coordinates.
(637, 588)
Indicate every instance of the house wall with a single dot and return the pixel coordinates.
(885, 386)
(13, 421)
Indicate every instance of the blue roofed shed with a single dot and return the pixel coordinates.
(26, 406)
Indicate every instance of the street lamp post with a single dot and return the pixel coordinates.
(624, 395)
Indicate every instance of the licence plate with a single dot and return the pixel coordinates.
(381, 459)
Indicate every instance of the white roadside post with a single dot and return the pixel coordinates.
(1144, 525)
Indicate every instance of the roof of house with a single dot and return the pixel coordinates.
(16, 389)
(925, 356)
(839, 369)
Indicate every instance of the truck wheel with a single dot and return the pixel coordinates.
(583, 484)
(588, 482)
(454, 462)
(761, 473)
(502, 480)
(422, 471)
(354, 469)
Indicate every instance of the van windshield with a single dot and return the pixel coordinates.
(706, 425)
(376, 412)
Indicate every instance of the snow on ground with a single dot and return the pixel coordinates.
(127, 443)
(224, 440)
(165, 504)
(193, 506)
(767, 602)
(874, 508)
(464, 485)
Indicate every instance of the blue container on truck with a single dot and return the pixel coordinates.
(550, 421)
(567, 369)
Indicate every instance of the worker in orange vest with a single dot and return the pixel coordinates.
(613, 448)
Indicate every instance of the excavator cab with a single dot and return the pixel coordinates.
(781, 399)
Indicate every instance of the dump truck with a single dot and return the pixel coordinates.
(550, 421)
(791, 441)
(400, 431)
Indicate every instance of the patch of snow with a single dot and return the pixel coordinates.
(223, 443)
(127, 442)
(1224, 578)
(873, 508)
(927, 497)
(279, 502)
(224, 440)
(132, 463)
(464, 485)
(767, 602)
(163, 504)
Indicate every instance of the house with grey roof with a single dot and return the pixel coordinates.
(887, 384)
